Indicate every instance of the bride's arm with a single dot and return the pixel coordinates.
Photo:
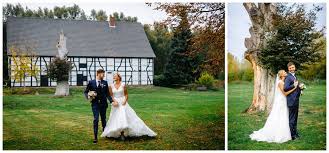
(110, 92)
(281, 86)
(114, 103)
(126, 94)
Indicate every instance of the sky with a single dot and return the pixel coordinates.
(144, 13)
(239, 23)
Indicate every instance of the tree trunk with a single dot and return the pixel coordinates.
(263, 89)
(62, 88)
(261, 16)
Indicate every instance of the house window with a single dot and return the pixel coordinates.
(82, 65)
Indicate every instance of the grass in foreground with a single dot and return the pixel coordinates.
(182, 119)
(311, 120)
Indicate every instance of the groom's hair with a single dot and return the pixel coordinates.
(290, 63)
(100, 71)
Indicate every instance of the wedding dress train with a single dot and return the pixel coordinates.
(276, 128)
(124, 118)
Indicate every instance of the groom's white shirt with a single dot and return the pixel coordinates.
(97, 82)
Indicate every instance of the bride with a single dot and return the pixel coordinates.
(276, 128)
(123, 120)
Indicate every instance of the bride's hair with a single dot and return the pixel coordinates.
(118, 74)
(280, 73)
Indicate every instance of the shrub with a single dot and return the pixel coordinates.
(59, 69)
(205, 80)
(159, 80)
(248, 75)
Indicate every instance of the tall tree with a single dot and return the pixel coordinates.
(18, 10)
(273, 27)
(122, 17)
(46, 12)
(65, 12)
(83, 16)
(58, 13)
(40, 13)
(74, 11)
(233, 65)
(160, 39)
(50, 14)
(28, 12)
(207, 23)
(116, 16)
(93, 14)
(178, 69)
(101, 15)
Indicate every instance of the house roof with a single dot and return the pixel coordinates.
(84, 38)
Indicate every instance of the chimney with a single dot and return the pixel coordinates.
(111, 22)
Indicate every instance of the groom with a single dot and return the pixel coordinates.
(99, 104)
(292, 99)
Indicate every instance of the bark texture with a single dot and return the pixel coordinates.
(261, 16)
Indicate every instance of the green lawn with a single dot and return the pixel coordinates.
(311, 120)
(183, 120)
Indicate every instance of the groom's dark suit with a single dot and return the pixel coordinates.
(99, 104)
(293, 103)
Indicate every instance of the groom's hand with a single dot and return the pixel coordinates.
(296, 83)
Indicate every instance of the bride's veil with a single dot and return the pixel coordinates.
(276, 90)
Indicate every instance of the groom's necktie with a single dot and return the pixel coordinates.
(99, 84)
(294, 75)
(99, 90)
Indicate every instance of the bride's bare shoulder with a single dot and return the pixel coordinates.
(280, 82)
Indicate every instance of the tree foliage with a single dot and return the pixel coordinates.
(179, 68)
(206, 80)
(316, 70)
(159, 37)
(122, 17)
(207, 23)
(60, 12)
(292, 38)
(59, 69)
(239, 70)
(23, 65)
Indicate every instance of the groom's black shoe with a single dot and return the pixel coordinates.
(297, 137)
(95, 141)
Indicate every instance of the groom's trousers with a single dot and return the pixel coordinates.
(293, 115)
(98, 110)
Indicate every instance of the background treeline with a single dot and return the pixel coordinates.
(239, 70)
(62, 12)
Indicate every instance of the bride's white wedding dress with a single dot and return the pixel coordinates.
(124, 118)
(276, 128)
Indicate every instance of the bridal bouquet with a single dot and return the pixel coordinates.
(302, 86)
(91, 95)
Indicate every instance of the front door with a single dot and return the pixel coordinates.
(80, 80)
(44, 81)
